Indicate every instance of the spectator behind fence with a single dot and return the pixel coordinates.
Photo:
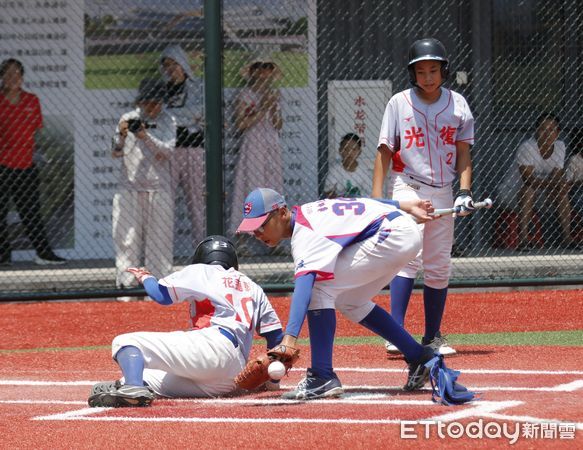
(536, 178)
(258, 119)
(185, 101)
(349, 177)
(574, 172)
(143, 209)
(20, 119)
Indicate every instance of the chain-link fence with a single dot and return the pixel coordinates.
(102, 177)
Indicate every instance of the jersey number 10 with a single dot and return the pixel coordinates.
(242, 305)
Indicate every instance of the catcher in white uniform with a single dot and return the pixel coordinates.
(426, 133)
(225, 309)
(345, 250)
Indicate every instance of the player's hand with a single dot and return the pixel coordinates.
(465, 202)
(420, 209)
(287, 354)
(123, 128)
(140, 273)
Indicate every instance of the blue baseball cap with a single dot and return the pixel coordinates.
(258, 204)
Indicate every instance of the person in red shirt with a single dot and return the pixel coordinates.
(20, 118)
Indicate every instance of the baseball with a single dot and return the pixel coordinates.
(276, 370)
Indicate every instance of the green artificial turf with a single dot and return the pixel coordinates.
(573, 338)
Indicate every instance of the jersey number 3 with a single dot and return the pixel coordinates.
(340, 208)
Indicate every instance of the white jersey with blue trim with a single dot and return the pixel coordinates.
(223, 298)
(323, 228)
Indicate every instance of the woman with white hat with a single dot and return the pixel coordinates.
(258, 119)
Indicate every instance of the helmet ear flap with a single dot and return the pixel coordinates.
(412, 79)
(445, 70)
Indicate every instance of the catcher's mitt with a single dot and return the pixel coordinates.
(255, 372)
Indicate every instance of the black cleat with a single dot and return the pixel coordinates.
(418, 372)
(124, 396)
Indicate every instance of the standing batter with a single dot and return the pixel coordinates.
(426, 133)
(345, 250)
(225, 309)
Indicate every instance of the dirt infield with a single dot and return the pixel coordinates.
(53, 352)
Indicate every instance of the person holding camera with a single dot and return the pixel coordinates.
(143, 209)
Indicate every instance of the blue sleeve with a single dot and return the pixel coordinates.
(300, 302)
(395, 203)
(156, 291)
(273, 337)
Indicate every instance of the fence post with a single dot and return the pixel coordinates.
(213, 84)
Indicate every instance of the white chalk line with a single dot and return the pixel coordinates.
(85, 415)
(567, 387)
(356, 397)
(42, 402)
(484, 409)
(474, 371)
(7, 382)
(255, 402)
(480, 409)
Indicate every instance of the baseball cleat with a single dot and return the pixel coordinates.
(391, 349)
(107, 386)
(418, 371)
(124, 396)
(439, 344)
(313, 387)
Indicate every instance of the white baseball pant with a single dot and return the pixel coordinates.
(195, 363)
(435, 255)
(143, 223)
(364, 268)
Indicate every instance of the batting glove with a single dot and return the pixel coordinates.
(140, 273)
(465, 202)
